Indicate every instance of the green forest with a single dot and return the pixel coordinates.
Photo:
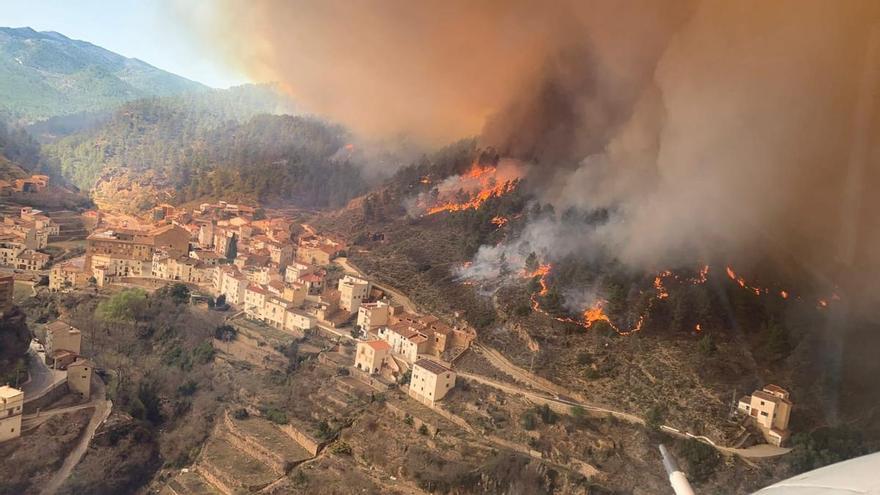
(215, 144)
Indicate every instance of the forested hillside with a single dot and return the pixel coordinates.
(45, 74)
(221, 143)
(18, 146)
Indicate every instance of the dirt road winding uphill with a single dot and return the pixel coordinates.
(103, 407)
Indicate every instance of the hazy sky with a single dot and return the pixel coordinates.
(151, 30)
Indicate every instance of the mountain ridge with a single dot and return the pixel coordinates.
(44, 74)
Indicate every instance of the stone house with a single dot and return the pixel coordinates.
(371, 315)
(404, 340)
(770, 408)
(79, 377)
(11, 403)
(370, 356)
(60, 336)
(430, 381)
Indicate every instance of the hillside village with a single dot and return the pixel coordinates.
(335, 261)
(276, 284)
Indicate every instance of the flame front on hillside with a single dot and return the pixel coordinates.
(596, 311)
(469, 190)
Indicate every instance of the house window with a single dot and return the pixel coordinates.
(763, 413)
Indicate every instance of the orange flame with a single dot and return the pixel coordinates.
(500, 221)
(489, 188)
(662, 293)
(698, 328)
(784, 294)
(590, 315)
(704, 275)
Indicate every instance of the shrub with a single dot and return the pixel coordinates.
(654, 418)
(404, 379)
(225, 333)
(548, 416)
(240, 413)
(324, 430)
(423, 430)
(407, 419)
(701, 459)
(528, 421)
(707, 345)
(340, 448)
(276, 416)
(825, 446)
(203, 353)
(127, 305)
(179, 293)
(300, 479)
(187, 388)
(584, 358)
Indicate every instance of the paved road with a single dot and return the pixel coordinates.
(542, 398)
(42, 377)
(103, 407)
(30, 421)
(395, 294)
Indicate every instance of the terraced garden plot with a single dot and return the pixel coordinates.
(190, 483)
(237, 465)
(273, 439)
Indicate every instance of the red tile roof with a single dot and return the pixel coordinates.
(379, 345)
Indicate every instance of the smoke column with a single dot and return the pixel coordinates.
(730, 128)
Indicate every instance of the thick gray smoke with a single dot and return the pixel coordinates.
(736, 130)
(756, 136)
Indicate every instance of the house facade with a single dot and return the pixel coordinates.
(770, 408)
(370, 356)
(430, 381)
(11, 403)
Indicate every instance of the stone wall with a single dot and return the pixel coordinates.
(252, 447)
(207, 471)
(417, 421)
(48, 397)
(312, 445)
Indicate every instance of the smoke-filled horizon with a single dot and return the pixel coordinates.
(736, 129)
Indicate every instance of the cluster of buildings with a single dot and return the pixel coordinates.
(409, 335)
(230, 251)
(770, 408)
(22, 236)
(398, 340)
(32, 184)
(429, 382)
(187, 246)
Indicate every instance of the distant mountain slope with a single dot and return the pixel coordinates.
(219, 143)
(46, 74)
